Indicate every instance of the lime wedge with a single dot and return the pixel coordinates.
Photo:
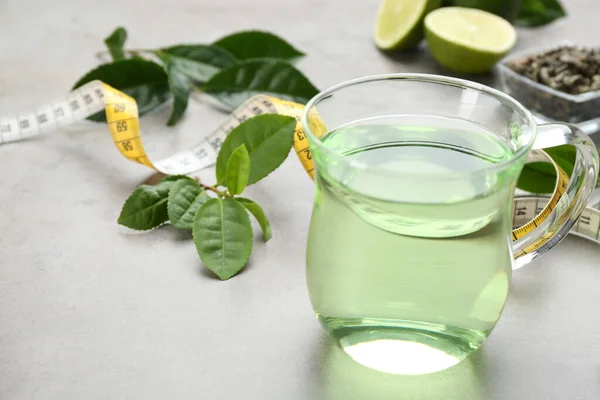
(467, 40)
(399, 23)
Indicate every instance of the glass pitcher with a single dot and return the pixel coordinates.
(409, 252)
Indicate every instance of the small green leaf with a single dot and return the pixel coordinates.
(537, 177)
(540, 177)
(180, 87)
(539, 12)
(259, 214)
(196, 71)
(143, 80)
(208, 55)
(115, 43)
(564, 156)
(198, 62)
(223, 236)
(268, 139)
(238, 170)
(146, 207)
(185, 198)
(236, 84)
(256, 44)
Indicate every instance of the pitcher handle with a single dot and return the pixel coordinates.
(573, 199)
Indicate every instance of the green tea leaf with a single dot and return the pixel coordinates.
(564, 156)
(143, 80)
(182, 58)
(146, 207)
(268, 139)
(539, 12)
(256, 44)
(238, 170)
(540, 177)
(198, 62)
(185, 198)
(203, 54)
(259, 214)
(236, 84)
(180, 87)
(115, 43)
(537, 177)
(223, 236)
(195, 71)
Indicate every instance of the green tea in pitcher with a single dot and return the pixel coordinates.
(410, 278)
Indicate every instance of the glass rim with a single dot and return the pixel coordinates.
(504, 98)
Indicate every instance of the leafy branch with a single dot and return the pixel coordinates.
(217, 215)
(231, 69)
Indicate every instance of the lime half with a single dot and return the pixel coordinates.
(399, 23)
(467, 40)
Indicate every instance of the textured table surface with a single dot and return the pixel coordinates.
(89, 310)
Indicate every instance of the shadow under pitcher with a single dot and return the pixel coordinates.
(409, 252)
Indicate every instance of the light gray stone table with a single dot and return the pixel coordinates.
(91, 311)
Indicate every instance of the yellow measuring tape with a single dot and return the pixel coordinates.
(123, 122)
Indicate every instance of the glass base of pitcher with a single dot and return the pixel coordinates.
(400, 346)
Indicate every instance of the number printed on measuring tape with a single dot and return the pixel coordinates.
(527, 208)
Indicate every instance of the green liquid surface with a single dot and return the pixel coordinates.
(409, 260)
